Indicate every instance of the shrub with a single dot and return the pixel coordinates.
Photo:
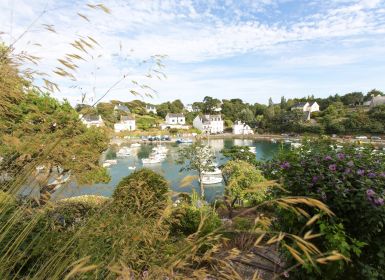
(144, 192)
(187, 218)
(351, 182)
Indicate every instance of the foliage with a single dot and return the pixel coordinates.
(188, 218)
(141, 192)
(197, 157)
(240, 153)
(242, 181)
(351, 181)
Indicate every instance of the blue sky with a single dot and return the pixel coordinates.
(246, 49)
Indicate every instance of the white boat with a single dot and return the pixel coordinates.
(132, 167)
(123, 152)
(151, 160)
(111, 161)
(253, 149)
(160, 149)
(216, 171)
(135, 145)
(210, 180)
(106, 164)
(272, 140)
(184, 141)
(287, 141)
(296, 145)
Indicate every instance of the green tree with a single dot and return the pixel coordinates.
(209, 104)
(241, 178)
(240, 153)
(199, 158)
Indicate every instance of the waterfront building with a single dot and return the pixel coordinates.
(127, 123)
(240, 128)
(209, 123)
(92, 120)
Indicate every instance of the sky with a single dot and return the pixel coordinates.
(246, 49)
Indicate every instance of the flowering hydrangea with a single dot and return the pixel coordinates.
(332, 167)
(341, 156)
(360, 172)
(328, 158)
(285, 165)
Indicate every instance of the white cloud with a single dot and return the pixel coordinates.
(196, 31)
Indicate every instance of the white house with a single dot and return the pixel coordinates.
(122, 108)
(209, 123)
(240, 128)
(127, 123)
(189, 108)
(175, 121)
(150, 109)
(377, 101)
(92, 120)
(306, 106)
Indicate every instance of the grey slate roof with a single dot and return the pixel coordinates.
(179, 115)
(91, 118)
(127, 118)
(121, 107)
(299, 104)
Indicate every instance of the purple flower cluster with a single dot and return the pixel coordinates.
(360, 172)
(285, 165)
(341, 156)
(332, 167)
(328, 158)
(373, 199)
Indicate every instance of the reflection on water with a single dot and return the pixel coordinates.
(169, 169)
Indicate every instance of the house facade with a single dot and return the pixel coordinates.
(151, 109)
(92, 120)
(306, 106)
(240, 128)
(209, 123)
(127, 123)
(377, 101)
(175, 121)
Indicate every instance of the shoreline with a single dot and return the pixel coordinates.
(264, 137)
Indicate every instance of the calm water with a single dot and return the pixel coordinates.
(169, 169)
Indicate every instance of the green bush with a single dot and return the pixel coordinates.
(351, 181)
(186, 220)
(143, 191)
(243, 224)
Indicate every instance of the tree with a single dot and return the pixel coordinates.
(247, 116)
(283, 103)
(240, 153)
(353, 98)
(240, 178)
(39, 131)
(209, 104)
(271, 102)
(176, 106)
(199, 158)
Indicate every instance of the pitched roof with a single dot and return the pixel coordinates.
(312, 103)
(179, 115)
(91, 118)
(121, 107)
(299, 104)
(209, 118)
(127, 118)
